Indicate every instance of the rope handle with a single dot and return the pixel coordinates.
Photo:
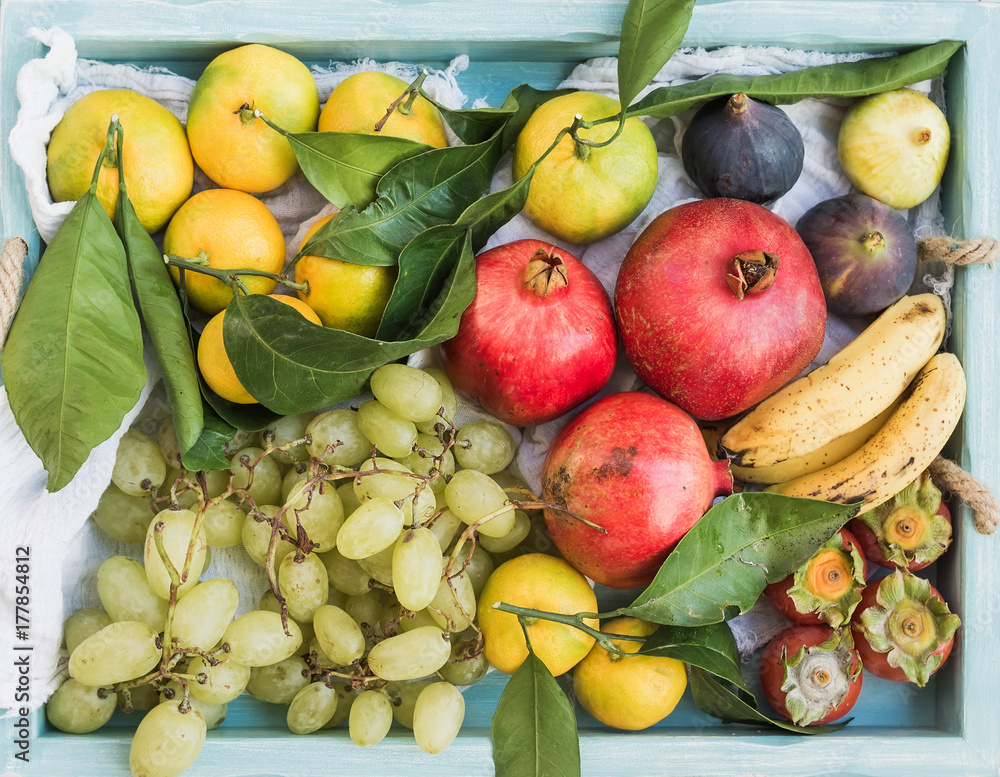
(15, 251)
(977, 250)
(970, 490)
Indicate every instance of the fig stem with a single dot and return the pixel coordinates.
(738, 103)
(874, 241)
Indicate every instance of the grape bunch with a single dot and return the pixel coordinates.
(377, 529)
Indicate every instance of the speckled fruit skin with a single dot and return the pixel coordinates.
(772, 672)
(529, 358)
(682, 327)
(637, 466)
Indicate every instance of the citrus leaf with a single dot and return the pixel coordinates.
(161, 312)
(346, 167)
(844, 79)
(651, 32)
(722, 565)
(72, 362)
(207, 451)
(709, 647)
(249, 418)
(717, 700)
(420, 192)
(292, 366)
(534, 730)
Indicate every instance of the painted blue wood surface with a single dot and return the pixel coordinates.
(951, 727)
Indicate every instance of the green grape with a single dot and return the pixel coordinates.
(166, 439)
(423, 461)
(345, 700)
(517, 535)
(372, 527)
(216, 482)
(420, 508)
(366, 610)
(410, 655)
(167, 741)
(438, 716)
(472, 495)
(214, 714)
(454, 609)
(139, 468)
(223, 681)
(479, 568)
(179, 488)
(223, 524)
(258, 638)
(304, 584)
(379, 565)
(83, 623)
(388, 619)
(79, 709)
(404, 698)
(345, 574)
(449, 403)
(256, 537)
(126, 594)
(119, 652)
(416, 568)
(467, 664)
(284, 430)
(319, 657)
(311, 709)
(416, 620)
(279, 682)
(268, 601)
(266, 486)
(408, 392)
(178, 529)
(337, 597)
(123, 517)
(201, 617)
(392, 434)
(291, 479)
(347, 497)
(337, 439)
(514, 486)
(484, 446)
(370, 718)
(339, 635)
(318, 510)
(138, 698)
(386, 483)
(444, 527)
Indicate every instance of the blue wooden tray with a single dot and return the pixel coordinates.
(950, 727)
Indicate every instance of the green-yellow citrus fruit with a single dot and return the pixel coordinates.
(158, 167)
(579, 193)
(236, 150)
(216, 369)
(360, 101)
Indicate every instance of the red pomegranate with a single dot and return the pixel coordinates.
(718, 305)
(636, 466)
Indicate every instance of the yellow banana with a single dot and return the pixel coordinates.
(822, 457)
(901, 450)
(852, 388)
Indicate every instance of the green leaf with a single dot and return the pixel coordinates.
(709, 647)
(72, 362)
(844, 79)
(420, 192)
(534, 729)
(717, 700)
(651, 32)
(249, 418)
(293, 366)
(722, 565)
(207, 451)
(346, 167)
(165, 322)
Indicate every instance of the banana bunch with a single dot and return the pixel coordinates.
(864, 425)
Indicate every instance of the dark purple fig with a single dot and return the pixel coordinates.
(864, 251)
(742, 148)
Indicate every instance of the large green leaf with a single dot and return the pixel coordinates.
(710, 647)
(717, 700)
(161, 312)
(420, 192)
(722, 565)
(346, 167)
(207, 452)
(72, 362)
(534, 729)
(651, 32)
(293, 366)
(844, 79)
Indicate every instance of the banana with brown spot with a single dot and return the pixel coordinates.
(855, 386)
(901, 450)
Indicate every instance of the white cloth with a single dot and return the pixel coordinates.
(66, 548)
